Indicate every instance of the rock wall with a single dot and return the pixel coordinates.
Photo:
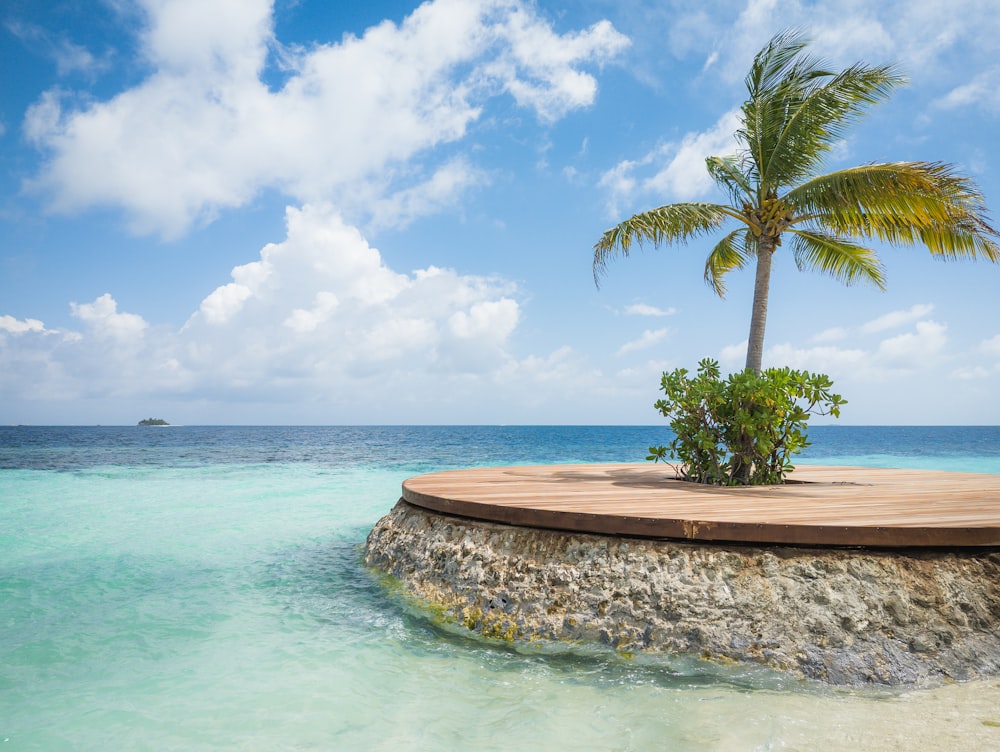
(844, 616)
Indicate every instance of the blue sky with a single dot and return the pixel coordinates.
(303, 212)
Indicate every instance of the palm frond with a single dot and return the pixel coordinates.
(903, 203)
(728, 172)
(667, 224)
(802, 124)
(779, 77)
(773, 63)
(962, 238)
(839, 257)
(732, 252)
(796, 111)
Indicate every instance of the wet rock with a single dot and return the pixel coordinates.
(844, 616)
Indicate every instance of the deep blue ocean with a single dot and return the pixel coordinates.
(201, 588)
(427, 448)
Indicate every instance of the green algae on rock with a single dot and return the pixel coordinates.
(838, 615)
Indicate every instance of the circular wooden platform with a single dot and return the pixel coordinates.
(833, 506)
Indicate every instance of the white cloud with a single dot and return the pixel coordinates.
(68, 56)
(71, 57)
(449, 182)
(974, 373)
(983, 90)
(833, 334)
(826, 359)
(682, 174)
(115, 353)
(318, 318)
(685, 176)
(733, 355)
(620, 185)
(646, 340)
(215, 36)
(104, 320)
(556, 366)
(362, 315)
(859, 34)
(979, 371)
(224, 302)
(917, 34)
(307, 320)
(540, 72)
(203, 133)
(926, 32)
(491, 320)
(991, 346)
(895, 319)
(565, 384)
(15, 326)
(642, 309)
(919, 350)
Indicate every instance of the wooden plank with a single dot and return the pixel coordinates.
(840, 506)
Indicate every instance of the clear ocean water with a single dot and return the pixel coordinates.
(201, 588)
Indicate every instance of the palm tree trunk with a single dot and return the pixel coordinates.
(758, 317)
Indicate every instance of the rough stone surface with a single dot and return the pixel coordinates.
(844, 616)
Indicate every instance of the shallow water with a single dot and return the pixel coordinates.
(202, 588)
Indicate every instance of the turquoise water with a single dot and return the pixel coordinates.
(202, 588)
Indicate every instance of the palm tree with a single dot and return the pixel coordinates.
(796, 112)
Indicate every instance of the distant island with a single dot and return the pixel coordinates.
(153, 422)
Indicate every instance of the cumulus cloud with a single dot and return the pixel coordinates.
(732, 355)
(685, 175)
(913, 350)
(560, 363)
(68, 56)
(646, 340)
(678, 169)
(318, 316)
(917, 34)
(304, 320)
(871, 357)
(982, 91)
(15, 326)
(359, 315)
(563, 382)
(443, 188)
(113, 353)
(833, 334)
(991, 346)
(491, 321)
(910, 352)
(973, 373)
(103, 319)
(642, 309)
(620, 184)
(895, 319)
(539, 70)
(824, 359)
(203, 132)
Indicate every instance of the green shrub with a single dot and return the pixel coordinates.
(741, 430)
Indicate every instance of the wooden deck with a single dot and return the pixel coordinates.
(826, 506)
